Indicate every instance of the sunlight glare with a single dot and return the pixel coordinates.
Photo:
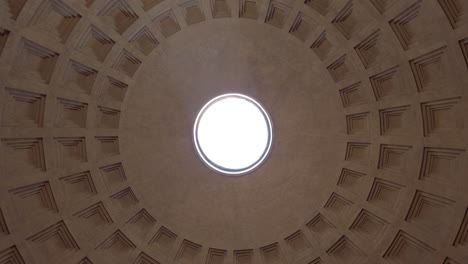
(233, 133)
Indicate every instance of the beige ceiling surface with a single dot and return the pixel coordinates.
(248, 58)
(98, 100)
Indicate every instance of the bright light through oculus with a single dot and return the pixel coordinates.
(232, 133)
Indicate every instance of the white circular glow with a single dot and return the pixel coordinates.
(232, 133)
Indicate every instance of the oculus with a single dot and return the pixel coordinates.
(232, 134)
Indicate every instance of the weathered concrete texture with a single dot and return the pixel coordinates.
(97, 106)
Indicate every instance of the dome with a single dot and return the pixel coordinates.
(367, 162)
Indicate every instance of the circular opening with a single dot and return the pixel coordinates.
(232, 133)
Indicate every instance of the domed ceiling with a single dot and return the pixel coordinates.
(368, 162)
